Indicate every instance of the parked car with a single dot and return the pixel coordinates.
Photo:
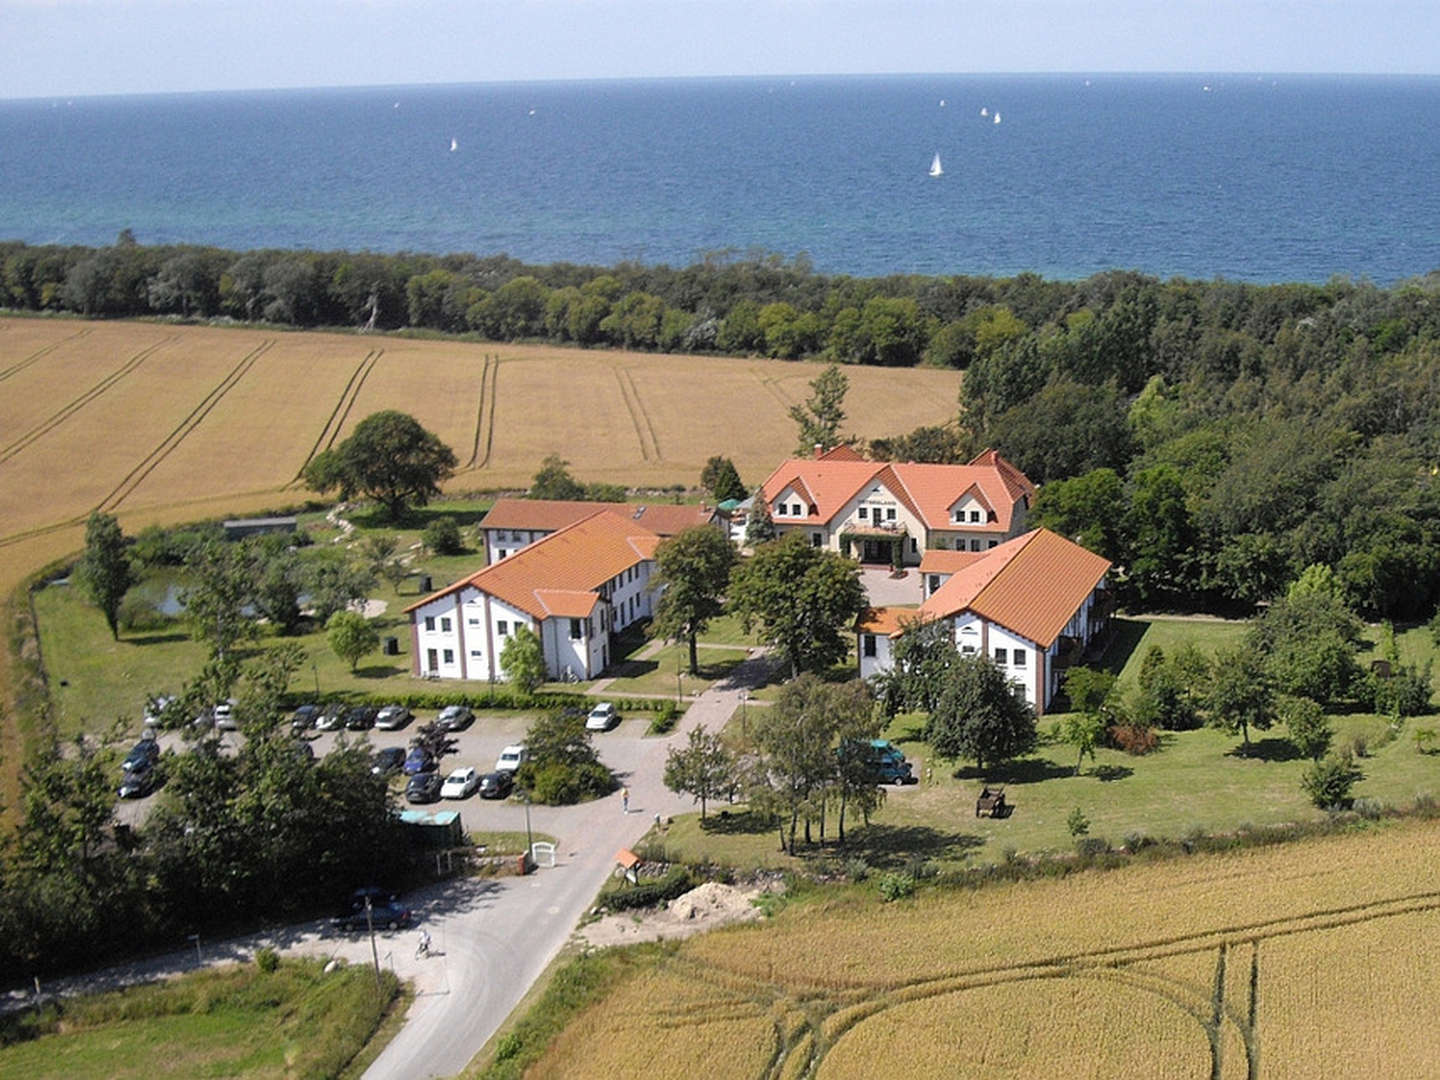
(392, 717)
(386, 911)
(496, 785)
(303, 750)
(360, 718)
(424, 787)
(225, 716)
(204, 719)
(454, 718)
(331, 719)
(137, 783)
(303, 718)
(419, 760)
(461, 783)
(886, 763)
(388, 761)
(142, 755)
(512, 757)
(155, 707)
(602, 717)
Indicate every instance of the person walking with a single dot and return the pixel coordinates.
(625, 800)
(423, 949)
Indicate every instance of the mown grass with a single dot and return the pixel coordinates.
(292, 1022)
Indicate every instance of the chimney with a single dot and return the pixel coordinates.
(819, 451)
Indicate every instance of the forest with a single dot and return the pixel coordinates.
(1212, 438)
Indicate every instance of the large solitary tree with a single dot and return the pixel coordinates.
(804, 600)
(694, 569)
(389, 457)
(104, 571)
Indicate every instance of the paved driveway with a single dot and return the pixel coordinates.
(884, 590)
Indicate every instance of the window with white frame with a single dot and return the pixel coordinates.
(974, 515)
(889, 513)
(576, 633)
(1017, 658)
(870, 645)
(429, 622)
(445, 624)
(796, 511)
(1000, 656)
(449, 655)
(502, 627)
(863, 513)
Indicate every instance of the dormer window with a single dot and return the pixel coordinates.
(974, 515)
(781, 510)
(796, 511)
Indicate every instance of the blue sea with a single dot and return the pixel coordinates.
(1258, 178)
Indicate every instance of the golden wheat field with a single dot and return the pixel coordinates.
(1314, 959)
(152, 421)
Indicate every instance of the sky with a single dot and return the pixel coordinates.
(51, 48)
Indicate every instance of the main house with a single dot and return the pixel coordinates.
(1031, 604)
(515, 524)
(575, 587)
(893, 512)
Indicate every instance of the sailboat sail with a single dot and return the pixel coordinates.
(935, 169)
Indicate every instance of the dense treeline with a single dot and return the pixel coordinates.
(1213, 438)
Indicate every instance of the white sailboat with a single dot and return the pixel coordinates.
(984, 111)
(935, 169)
(454, 146)
(997, 118)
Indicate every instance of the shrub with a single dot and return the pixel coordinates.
(648, 893)
(857, 869)
(1328, 782)
(442, 536)
(1090, 846)
(895, 886)
(1369, 809)
(1077, 822)
(1135, 739)
(1136, 841)
(267, 960)
(921, 868)
(665, 720)
(1404, 693)
(137, 613)
(561, 784)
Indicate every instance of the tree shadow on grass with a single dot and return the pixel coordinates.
(727, 822)
(1271, 749)
(157, 638)
(1031, 770)
(379, 671)
(1110, 773)
(892, 847)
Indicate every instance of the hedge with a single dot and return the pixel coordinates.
(626, 897)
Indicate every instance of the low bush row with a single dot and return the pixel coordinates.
(497, 699)
(626, 897)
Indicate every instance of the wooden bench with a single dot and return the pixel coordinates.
(991, 802)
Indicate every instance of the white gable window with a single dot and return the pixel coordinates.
(1017, 658)
(782, 510)
(864, 513)
(502, 627)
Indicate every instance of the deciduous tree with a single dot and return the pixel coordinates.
(721, 480)
(523, 660)
(554, 481)
(351, 636)
(979, 715)
(693, 572)
(389, 457)
(104, 571)
(704, 768)
(1240, 695)
(804, 601)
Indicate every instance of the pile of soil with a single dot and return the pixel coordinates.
(703, 908)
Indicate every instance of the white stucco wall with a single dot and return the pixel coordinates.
(502, 543)
(883, 659)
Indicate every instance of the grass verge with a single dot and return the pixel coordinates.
(295, 1021)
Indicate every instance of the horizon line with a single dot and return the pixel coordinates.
(791, 76)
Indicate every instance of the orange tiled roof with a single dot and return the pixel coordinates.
(929, 491)
(1032, 585)
(665, 519)
(887, 620)
(843, 452)
(564, 567)
(940, 561)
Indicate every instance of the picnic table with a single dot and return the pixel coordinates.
(991, 802)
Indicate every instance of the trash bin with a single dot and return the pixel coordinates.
(425, 585)
(392, 646)
(522, 863)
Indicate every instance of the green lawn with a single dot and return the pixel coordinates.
(295, 1021)
(1135, 635)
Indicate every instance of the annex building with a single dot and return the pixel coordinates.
(575, 587)
(1032, 604)
(514, 524)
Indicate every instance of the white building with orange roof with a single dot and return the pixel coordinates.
(892, 512)
(1031, 604)
(575, 588)
(513, 524)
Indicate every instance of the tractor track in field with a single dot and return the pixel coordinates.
(770, 384)
(644, 430)
(39, 354)
(485, 414)
(68, 410)
(336, 420)
(181, 431)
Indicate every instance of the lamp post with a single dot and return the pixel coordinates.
(315, 667)
(529, 841)
(744, 726)
(677, 680)
(374, 952)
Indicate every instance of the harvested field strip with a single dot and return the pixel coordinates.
(336, 419)
(39, 354)
(649, 449)
(133, 478)
(61, 415)
(485, 414)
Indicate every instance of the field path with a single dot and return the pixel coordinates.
(135, 476)
(76, 404)
(39, 354)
